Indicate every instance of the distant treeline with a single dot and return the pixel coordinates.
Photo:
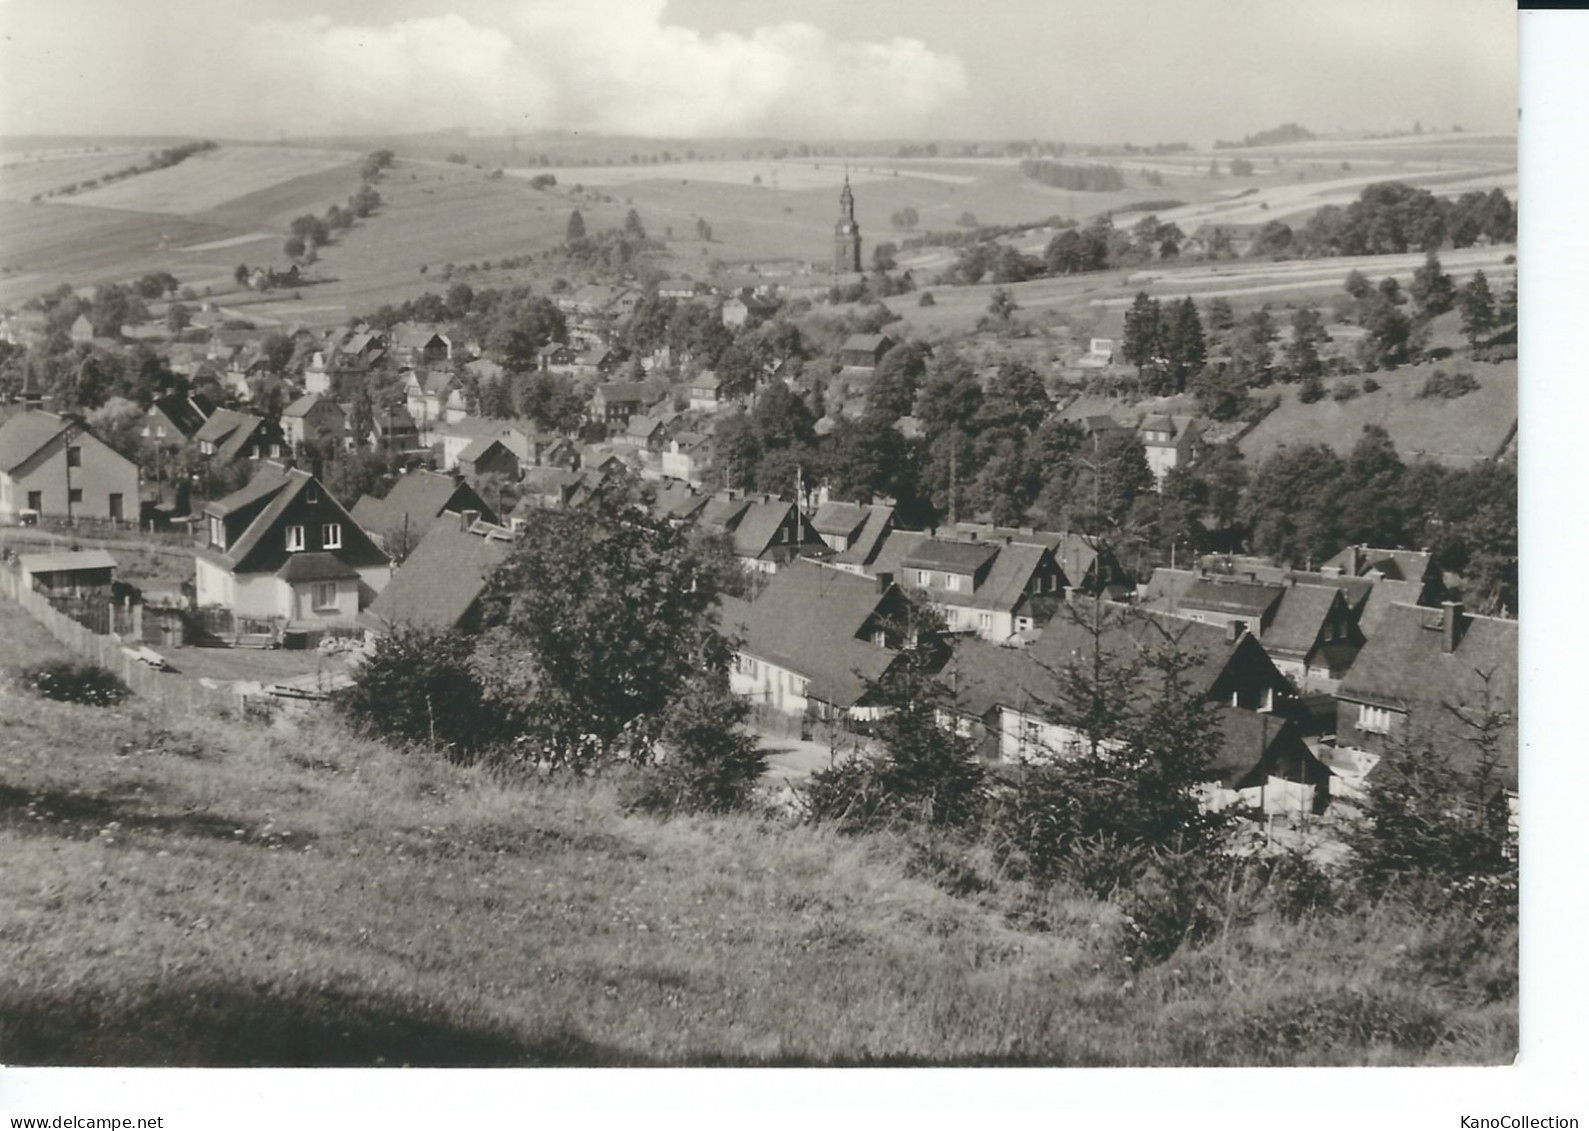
(1280, 135)
(1076, 178)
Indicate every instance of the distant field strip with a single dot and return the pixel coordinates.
(234, 241)
(209, 180)
(790, 176)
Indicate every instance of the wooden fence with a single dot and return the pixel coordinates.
(173, 692)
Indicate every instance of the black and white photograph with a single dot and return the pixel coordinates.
(713, 534)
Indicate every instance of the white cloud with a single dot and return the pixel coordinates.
(614, 66)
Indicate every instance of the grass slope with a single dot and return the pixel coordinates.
(200, 893)
(1456, 432)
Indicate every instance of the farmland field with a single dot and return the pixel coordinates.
(25, 175)
(207, 180)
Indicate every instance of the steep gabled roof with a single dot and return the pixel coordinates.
(839, 518)
(981, 676)
(1128, 634)
(1243, 598)
(1395, 564)
(222, 424)
(1299, 619)
(418, 499)
(1404, 666)
(808, 620)
(440, 582)
(754, 533)
(1381, 597)
(954, 557)
(24, 435)
(864, 549)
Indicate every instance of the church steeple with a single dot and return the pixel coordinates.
(846, 234)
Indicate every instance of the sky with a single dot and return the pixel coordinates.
(1074, 70)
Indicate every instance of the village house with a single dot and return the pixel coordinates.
(706, 391)
(392, 430)
(313, 419)
(813, 640)
(552, 488)
(229, 436)
(864, 351)
(677, 501)
(1014, 704)
(174, 419)
(440, 585)
(556, 357)
(413, 505)
(1442, 677)
(1100, 354)
(435, 399)
(1412, 566)
(614, 403)
(54, 466)
(644, 434)
(317, 375)
(735, 313)
(996, 590)
(1170, 442)
(282, 549)
(687, 456)
(1089, 564)
(420, 346)
(767, 533)
(489, 455)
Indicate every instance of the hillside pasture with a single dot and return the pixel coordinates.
(26, 175)
(210, 179)
(205, 892)
(42, 245)
(1466, 430)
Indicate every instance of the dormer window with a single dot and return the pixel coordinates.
(294, 539)
(953, 580)
(207, 447)
(217, 532)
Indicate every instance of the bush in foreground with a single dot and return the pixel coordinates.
(75, 681)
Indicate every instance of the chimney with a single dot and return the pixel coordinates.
(1451, 626)
(884, 580)
(1353, 560)
(1233, 629)
(467, 519)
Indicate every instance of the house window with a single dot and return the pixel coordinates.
(207, 447)
(985, 620)
(35, 500)
(75, 495)
(954, 581)
(312, 495)
(74, 456)
(325, 594)
(217, 533)
(880, 638)
(115, 505)
(294, 538)
(922, 577)
(331, 535)
(1373, 720)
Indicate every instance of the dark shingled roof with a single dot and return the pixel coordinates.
(440, 582)
(1300, 619)
(808, 620)
(981, 676)
(1128, 634)
(869, 542)
(954, 557)
(1397, 565)
(420, 497)
(839, 518)
(754, 533)
(1248, 598)
(316, 566)
(1381, 597)
(1404, 666)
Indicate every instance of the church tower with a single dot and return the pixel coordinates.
(846, 235)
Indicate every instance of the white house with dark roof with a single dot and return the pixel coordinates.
(813, 639)
(283, 549)
(1170, 442)
(994, 589)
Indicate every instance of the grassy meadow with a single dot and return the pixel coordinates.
(200, 892)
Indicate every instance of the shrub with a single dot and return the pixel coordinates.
(1311, 390)
(75, 681)
(417, 686)
(1370, 385)
(1345, 392)
(926, 299)
(1447, 386)
(708, 763)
